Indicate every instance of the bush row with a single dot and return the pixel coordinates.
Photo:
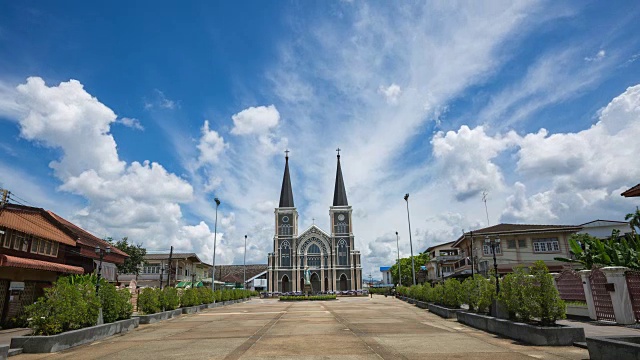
(528, 294)
(302, 297)
(153, 300)
(71, 303)
(379, 290)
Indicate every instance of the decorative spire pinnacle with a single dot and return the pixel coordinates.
(286, 193)
(339, 194)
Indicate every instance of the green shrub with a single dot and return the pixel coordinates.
(516, 292)
(169, 299)
(115, 303)
(402, 290)
(149, 301)
(414, 290)
(452, 293)
(218, 295)
(226, 295)
(548, 306)
(437, 294)
(189, 298)
(65, 306)
(478, 293)
(205, 295)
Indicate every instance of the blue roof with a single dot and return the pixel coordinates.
(385, 268)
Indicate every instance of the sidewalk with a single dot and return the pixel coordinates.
(590, 329)
(6, 335)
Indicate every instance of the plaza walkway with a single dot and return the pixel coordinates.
(349, 328)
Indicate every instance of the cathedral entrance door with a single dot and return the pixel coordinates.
(343, 282)
(315, 282)
(285, 284)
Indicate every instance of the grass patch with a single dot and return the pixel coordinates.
(307, 298)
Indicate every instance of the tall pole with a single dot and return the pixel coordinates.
(161, 271)
(471, 233)
(244, 265)
(399, 270)
(169, 270)
(215, 235)
(413, 265)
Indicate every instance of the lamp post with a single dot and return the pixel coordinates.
(493, 243)
(244, 265)
(399, 270)
(101, 253)
(471, 233)
(215, 235)
(413, 265)
(161, 271)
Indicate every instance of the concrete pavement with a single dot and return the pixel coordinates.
(348, 328)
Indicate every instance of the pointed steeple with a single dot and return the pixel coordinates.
(286, 194)
(339, 194)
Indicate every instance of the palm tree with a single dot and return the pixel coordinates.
(634, 220)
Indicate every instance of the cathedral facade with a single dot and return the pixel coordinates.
(331, 258)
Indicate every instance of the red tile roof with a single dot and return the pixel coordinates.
(633, 192)
(24, 263)
(34, 221)
(85, 237)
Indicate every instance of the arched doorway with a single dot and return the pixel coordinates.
(343, 282)
(285, 284)
(315, 283)
(326, 284)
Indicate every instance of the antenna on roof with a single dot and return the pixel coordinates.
(484, 199)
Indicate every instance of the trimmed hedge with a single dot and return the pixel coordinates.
(310, 298)
(153, 300)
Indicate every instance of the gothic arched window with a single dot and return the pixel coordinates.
(285, 254)
(313, 255)
(343, 252)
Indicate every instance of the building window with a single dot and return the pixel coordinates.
(341, 228)
(486, 249)
(44, 247)
(522, 243)
(6, 239)
(343, 250)
(546, 245)
(511, 244)
(285, 254)
(151, 269)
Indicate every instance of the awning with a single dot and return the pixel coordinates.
(18, 262)
(182, 284)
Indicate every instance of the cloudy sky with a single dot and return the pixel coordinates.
(129, 119)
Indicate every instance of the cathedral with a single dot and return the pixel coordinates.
(331, 258)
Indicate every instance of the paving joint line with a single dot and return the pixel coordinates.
(245, 346)
(368, 340)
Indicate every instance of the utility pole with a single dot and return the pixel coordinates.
(215, 237)
(5, 197)
(161, 271)
(169, 268)
(399, 269)
(486, 210)
(413, 265)
(472, 253)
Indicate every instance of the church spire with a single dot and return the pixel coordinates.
(339, 194)
(286, 194)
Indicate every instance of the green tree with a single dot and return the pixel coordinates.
(136, 254)
(405, 266)
(634, 220)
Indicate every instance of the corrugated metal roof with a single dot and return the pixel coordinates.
(85, 237)
(34, 221)
(24, 263)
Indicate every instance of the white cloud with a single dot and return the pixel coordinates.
(391, 93)
(599, 56)
(255, 120)
(131, 123)
(139, 200)
(466, 157)
(211, 145)
(161, 101)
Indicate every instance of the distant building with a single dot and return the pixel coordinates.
(442, 261)
(233, 275)
(387, 278)
(602, 229)
(185, 268)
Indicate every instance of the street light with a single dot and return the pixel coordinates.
(244, 265)
(399, 270)
(493, 243)
(215, 235)
(413, 265)
(101, 252)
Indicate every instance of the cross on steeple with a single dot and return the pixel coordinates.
(286, 153)
(314, 221)
(338, 150)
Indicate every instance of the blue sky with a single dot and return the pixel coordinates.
(129, 118)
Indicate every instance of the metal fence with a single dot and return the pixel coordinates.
(569, 285)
